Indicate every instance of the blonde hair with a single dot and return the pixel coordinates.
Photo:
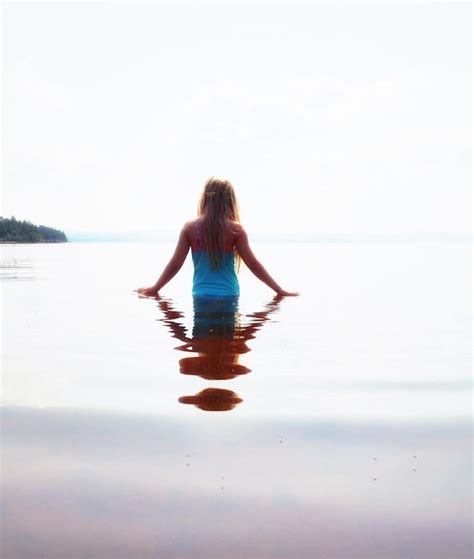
(217, 204)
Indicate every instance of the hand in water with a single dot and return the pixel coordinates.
(284, 293)
(147, 291)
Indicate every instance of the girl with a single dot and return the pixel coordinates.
(218, 242)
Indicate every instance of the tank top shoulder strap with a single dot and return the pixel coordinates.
(198, 231)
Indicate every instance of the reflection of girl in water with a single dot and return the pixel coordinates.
(217, 341)
(213, 399)
(218, 242)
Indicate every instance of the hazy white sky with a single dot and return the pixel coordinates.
(327, 117)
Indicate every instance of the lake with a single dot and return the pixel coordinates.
(336, 424)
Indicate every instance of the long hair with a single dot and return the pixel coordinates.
(218, 203)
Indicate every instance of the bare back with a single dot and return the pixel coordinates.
(194, 232)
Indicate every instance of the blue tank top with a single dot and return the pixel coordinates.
(209, 282)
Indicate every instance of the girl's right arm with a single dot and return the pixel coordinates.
(255, 266)
(173, 266)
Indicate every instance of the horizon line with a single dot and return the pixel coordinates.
(151, 236)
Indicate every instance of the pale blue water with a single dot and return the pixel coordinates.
(351, 422)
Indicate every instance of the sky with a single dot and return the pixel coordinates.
(326, 117)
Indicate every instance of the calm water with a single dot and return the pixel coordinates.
(336, 424)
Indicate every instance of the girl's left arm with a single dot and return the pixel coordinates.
(173, 266)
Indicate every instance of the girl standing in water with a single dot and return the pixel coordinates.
(218, 242)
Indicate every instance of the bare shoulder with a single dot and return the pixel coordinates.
(191, 224)
(188, 229)
(236, 227)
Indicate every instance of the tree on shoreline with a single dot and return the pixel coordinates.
(15, 231)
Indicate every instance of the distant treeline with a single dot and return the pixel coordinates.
(15, 231)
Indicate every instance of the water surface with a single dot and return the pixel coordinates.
(336, 424)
